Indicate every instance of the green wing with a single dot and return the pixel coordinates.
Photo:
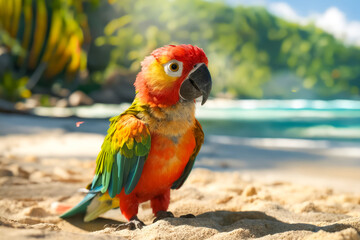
(123, 154)
(120, 162)
(199, 138)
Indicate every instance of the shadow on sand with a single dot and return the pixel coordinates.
(96, 225)
(257, 223)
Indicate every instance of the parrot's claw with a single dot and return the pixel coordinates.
(133, 224)
(163, 214)
(188, 216)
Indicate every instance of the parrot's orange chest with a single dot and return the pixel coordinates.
(172, 144)
(165, 164)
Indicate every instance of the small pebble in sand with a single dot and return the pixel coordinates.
(19, 171)
(306, 207)
(5, 173)
(37, 212)
(249, 191)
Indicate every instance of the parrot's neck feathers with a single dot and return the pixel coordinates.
(159, 100)
(171, 121)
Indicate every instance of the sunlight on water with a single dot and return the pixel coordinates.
(278, 109)
(326, 131)
(283, 104)
(309, 119)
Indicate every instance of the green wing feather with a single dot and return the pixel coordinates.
(199, 139)
(119, 164)
(123, 154)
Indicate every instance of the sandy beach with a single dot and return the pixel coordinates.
(43, 173)
(275, 86)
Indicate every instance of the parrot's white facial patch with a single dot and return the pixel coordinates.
(173, 68)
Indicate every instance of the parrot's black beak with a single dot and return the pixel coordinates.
(198, 83)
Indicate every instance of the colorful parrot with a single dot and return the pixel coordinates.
(151, 147)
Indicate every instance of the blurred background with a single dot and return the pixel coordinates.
(286, 76)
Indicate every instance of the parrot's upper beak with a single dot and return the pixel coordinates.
(198, 83)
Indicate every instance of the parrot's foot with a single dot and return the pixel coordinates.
(188, 216)
(133, 224)
(163, 214)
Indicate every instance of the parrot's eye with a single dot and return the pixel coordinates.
(173, 68)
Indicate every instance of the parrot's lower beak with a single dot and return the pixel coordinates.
(198, 83)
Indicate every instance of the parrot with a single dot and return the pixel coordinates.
(151, 147)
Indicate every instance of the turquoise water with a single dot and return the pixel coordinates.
(305, 119)
(250, 134)
(266, 134)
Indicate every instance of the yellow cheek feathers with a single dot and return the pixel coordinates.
(157, 79)
(155, 87)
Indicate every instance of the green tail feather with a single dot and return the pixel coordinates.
(82, 206)
(135, 174)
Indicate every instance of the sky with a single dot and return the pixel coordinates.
(338, 17)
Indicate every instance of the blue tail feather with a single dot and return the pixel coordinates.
(82, 206)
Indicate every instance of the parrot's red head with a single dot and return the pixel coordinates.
(172, 74)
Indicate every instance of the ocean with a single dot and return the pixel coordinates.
(259, 134)
(306, 119)
(239, 134)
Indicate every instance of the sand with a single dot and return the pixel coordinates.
(37, 181)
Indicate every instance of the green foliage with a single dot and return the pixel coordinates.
(44, 38)
(12, 88)
(248, 48)
(245, 45)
